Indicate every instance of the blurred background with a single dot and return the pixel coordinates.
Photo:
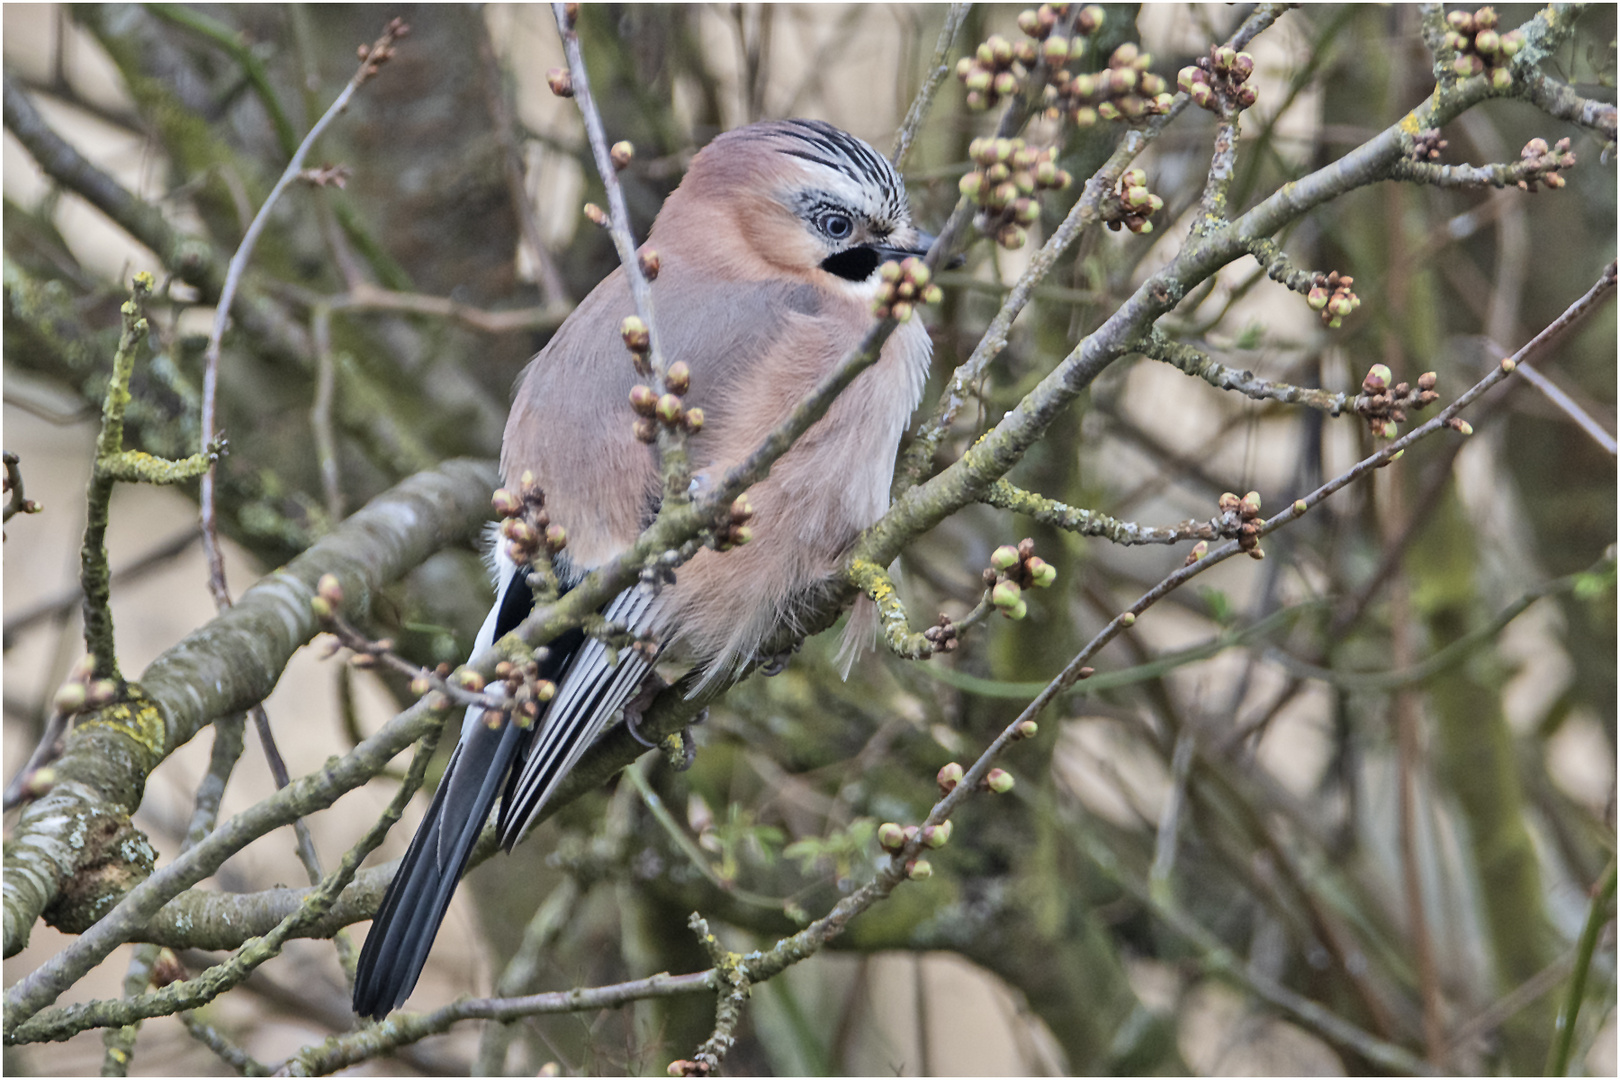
(1370, 645)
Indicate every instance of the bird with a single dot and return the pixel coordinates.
(769, 253)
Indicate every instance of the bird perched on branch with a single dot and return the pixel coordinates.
(768, 259)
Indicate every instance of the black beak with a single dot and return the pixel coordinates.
(925, 240)
(858, 263)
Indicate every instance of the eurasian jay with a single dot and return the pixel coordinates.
(768, 268)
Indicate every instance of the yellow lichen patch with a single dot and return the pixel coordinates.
(137, 718)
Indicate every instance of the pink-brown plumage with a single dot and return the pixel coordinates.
(768, 252)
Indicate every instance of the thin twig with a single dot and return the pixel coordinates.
(378, 52)
(403, 1028)
(671, 438)
(1583, 419)
(939, 69)
(1597, 917)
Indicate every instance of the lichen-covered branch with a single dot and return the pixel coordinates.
(1007, 496)
(1189, 361)
(871, 579)
(221, 668)
(64, 1023)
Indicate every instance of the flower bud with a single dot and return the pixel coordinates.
(561, 82)
(919, 869)
(648, 261)
(1027, 729)
(693, 420)
(999, 781)
(1042, 573)
(70, 698)
(936, 836)
(971, 185)
(328, 588)
(506, 504)
(890, 836)
(621, 154)
(635, 334)
(678, 379)
(643, 400)
(949, 776)
(1006, 594)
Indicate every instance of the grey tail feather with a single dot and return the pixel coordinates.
(413, 909)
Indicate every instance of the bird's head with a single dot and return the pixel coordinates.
(797, 198)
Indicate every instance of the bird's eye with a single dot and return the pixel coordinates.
(836, 226)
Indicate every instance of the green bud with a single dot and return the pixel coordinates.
(1006, 594)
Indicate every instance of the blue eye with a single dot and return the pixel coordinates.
(836, 226)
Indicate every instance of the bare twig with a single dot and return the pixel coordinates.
(671, 438)
(18, 503)
(939, 69)
(371, 60)
(1597, 917)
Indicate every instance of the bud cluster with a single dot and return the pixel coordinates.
(1384, 406)
(1241, 518)
(1132, 204)
(1005, 184)
(525, 689)
(524, 521)
(1219, 82)
(901, 286)
(1332, 297)
(942, 635)
(1125, 89)
(1042, 24)
(1480, 48)
(1428, 145)
(378, 53)
(997, 69)
(652, 408)
(1000, 68)
(1013, 570)
(892, 836)
(1538, 163)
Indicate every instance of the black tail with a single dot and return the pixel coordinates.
(406, 924)
(416, 901)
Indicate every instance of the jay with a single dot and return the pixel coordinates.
(769, 253)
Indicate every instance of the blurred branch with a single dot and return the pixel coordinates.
(1597, 917)
(939, 69)
(18, 503)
